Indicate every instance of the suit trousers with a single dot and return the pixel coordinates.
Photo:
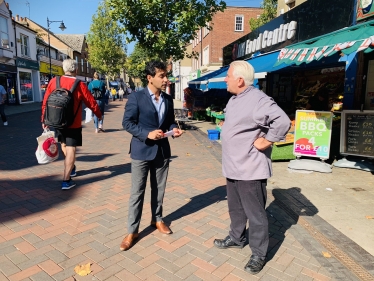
(158, 170)
(246, 201)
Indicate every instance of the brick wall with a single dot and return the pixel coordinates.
(224, 33)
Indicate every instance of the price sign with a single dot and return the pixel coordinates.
(357, 133)
(312, 133)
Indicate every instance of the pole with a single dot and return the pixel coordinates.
(201, 47)
(49, 50)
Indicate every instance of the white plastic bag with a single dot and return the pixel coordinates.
(88, 115)
(47, 150)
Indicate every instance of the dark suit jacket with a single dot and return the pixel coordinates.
(140, 118)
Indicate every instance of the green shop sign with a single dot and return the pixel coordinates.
(29, 64)
(312, 133)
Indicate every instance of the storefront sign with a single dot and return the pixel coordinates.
(195, 74)
(29, 64)
(296, 25)
(56, 70)
(8, 68)
(312, 133)
(365, 9)
(267, 39)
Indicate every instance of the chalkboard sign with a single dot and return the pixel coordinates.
(357, 133)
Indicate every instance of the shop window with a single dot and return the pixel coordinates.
(25, 82)
(82, 64)
(4, 33)
(239, 22)
(88, 70)
(25, 49)
(206, 55)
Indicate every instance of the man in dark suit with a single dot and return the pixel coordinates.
(149, 113)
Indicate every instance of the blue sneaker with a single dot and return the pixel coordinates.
(73, 172)
(67, 184)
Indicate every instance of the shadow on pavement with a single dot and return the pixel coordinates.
(283, 212)
(114, 170)
(88, 157)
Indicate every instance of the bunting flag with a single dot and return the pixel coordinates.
(320, 53)
(312, 54)
(282, 53)
(303, 54)
(289, 53)
(294, 55)
(331, 50)
(367, 42)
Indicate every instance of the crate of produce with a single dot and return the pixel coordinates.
(213, 134)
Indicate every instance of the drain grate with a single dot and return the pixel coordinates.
(346, 260)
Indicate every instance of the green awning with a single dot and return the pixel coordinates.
(347, 40)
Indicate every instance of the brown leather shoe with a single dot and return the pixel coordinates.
(128, 241)
(162, 227)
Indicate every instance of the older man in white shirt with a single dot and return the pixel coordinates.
(253, 122)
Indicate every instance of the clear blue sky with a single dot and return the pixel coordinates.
(78, 19)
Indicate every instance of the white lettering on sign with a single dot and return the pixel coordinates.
(267, 39)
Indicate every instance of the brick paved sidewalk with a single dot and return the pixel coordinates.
(45, 232)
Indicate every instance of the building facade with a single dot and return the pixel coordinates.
(27, 65)
(285, 5)
(8, 69)
(227, 26)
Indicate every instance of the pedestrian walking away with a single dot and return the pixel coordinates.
(253, 122)
(98, 90)
(148, 114)
(70, 137)
(3, 97)
(121, 92)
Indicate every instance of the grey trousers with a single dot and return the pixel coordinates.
(246, 201)
(158, 170)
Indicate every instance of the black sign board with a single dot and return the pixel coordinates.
(357, 133)
(313, 18)
(8, 68)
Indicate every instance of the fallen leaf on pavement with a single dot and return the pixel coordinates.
(83, 270)
(326, 254)
(188, 154)
(209, 146)
(370, 217)
(187, 199)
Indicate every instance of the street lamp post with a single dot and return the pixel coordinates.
(62, 27)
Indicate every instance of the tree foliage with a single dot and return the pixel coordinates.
(107, 51)
(135, 63)
(164, 27)
(269, 13)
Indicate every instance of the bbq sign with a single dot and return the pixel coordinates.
(312, 133)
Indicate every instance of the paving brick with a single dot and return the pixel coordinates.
(56, 256)
(25, 273)
(167, 275)
(32, 262)
(186, 271)
(108, 272)
(41, 276)
(148, 272)
(203, 265)
(206, 276)
(125, 275)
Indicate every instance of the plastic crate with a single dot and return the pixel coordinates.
(213, 134)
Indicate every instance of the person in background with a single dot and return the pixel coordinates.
(96, 83)
(320, 101)
(3, 96)
(253, 122)
(114, 93)
(121, 92)
(71, 137)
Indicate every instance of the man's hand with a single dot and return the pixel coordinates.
(177, 132)
(44, 126)
(156, 135)
(262, 144)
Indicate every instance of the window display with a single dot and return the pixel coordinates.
(25, 81)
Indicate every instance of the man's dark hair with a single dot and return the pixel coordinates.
(150, 68)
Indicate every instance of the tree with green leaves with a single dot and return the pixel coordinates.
(107, 51)
(269, 12)
(164, 27)
(135, 63)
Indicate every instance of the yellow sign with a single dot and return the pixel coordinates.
(56, 70)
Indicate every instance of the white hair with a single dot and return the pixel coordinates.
(69, 65)
(244, 70)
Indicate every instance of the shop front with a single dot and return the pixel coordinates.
(28, 81)
(8, 79)
(45, 73)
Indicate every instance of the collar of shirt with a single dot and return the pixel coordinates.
(159, 105)
(244, 92)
